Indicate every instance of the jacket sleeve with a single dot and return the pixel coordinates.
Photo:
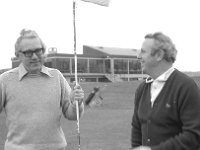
(136, 134)
(189, 113)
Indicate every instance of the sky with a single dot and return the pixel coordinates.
(123, 24)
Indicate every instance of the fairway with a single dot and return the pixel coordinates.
(107, 127)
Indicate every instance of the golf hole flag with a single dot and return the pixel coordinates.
(99, 2)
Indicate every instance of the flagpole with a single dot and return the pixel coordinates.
(75, 54)
(75, 72)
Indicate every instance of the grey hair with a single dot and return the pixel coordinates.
(163, 42)
(27, 34)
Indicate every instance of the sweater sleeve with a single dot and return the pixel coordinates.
(68, 109)
(1, 98)
(2, 94)
(136, 134)
(189, 113)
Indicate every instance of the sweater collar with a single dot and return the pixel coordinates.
(23, 72)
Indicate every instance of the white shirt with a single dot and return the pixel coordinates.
(158, 84)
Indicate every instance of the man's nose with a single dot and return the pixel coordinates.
(34, 55)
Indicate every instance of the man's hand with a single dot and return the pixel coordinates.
(77, 94)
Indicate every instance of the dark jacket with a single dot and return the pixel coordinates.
(173, 123)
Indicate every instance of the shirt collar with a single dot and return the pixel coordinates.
(162, 78)
(23, 71)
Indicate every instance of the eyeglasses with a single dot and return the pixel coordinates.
(29, 52)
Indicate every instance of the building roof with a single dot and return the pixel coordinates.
(110, 51)
(118, 51)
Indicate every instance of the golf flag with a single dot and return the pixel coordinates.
(99, 2)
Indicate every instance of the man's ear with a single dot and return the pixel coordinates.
(160, 55)
(19, 56)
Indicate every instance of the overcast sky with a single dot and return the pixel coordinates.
(123, 24)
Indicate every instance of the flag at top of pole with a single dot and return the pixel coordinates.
(99, 2)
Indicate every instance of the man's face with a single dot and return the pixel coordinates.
(148, 62)
(32, 55)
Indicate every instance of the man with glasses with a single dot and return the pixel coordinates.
(167, 105)
(34, 97)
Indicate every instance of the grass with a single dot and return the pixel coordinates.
(107, 127)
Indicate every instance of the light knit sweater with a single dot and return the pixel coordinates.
(33, 107)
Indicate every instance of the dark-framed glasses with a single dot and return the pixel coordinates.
(29, 52)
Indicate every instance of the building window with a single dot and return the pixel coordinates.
(120, 66)
(107, 66)
(48, 64)
(96, 66)
(134, 67)
(63, 65)
(81, 65)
